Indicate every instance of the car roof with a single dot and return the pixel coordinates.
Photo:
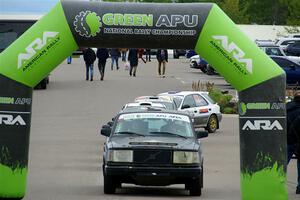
(269, 45)
(144, 103)
(183, 93)
(151, 110)
(161, 98)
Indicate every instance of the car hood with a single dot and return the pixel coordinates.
(121, 141)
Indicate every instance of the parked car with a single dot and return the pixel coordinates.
(169, 102)
(264, 42)
(295, 35)
(200, 106)
(194, 60)
(294, 49)
(274, 50)
(190, 53)
(284, 42)
(178, 52)
(152, 148)
(291, 69)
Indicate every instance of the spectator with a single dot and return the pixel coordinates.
(123, 54)
(133, 60)
(89, 57)
(162, 58)
(148, 55)
(115, 54)
(102, 55)
(69, 59)
(141, 53)
(293, 133)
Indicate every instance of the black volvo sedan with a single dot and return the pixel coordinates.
(152, 148)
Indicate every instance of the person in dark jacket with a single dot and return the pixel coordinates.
(89, 57)
(133, 60)
(162, 58)
(115, 54)
(102, 55)
(293, 133)
(148, 55)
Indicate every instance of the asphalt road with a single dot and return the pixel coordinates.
(66, 146)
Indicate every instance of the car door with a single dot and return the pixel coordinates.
(291, 69)
(202, 111)
(189, 106)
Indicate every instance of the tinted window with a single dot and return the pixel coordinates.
(283, 62)
(189, 100)
(273, 51)
(200, 101)
(288, 42)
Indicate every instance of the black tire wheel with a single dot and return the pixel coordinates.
(43, 84)
(195, 64)
(212, 124)
(109, 184)
(195, 187)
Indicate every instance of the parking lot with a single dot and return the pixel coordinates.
(66, 145)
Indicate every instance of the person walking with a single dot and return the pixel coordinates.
(293, 133)
(148, 55)
(115, 54)
(162, 58)
(133, 60)
(102, 55)
(123, 54)
(89, 57)
(140, 54)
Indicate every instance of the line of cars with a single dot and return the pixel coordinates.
(153, 141)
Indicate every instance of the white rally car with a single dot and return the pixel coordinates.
(200, 106)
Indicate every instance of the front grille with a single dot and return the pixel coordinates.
(152, 156)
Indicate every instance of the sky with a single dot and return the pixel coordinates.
(36, 7)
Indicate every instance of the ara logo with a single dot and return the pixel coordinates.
(34, 46)
(10, 120)
(262, 125)
(237, 53)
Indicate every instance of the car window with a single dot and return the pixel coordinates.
(284, 63)
(287, 42)
(208, 98)
(273, 51)
(154, 124)
(200, 101)
(189, 100)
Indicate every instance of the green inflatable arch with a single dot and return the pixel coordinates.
(203, 27)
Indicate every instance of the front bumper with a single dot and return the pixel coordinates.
(158, 176)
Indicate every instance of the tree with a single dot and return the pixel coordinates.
(233, 10)
(293, 15)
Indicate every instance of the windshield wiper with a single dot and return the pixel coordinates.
(129, 133)
(168, 133)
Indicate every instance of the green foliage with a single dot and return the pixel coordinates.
(223, 101)
(233, 9)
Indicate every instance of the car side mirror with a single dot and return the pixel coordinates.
(110, 124)
(106, 130)
(185, 106)
(201, 134)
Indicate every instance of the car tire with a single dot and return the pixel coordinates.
(194, 64)
(195, 187)
(109, 184)
(212, 124)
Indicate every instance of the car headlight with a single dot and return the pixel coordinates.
(120, 155)
(185, 157)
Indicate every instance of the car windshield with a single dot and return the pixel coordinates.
(154, 124)
(208, 98)
(273, 51)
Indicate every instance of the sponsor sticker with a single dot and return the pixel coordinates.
(12, 118)
(154, 115)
